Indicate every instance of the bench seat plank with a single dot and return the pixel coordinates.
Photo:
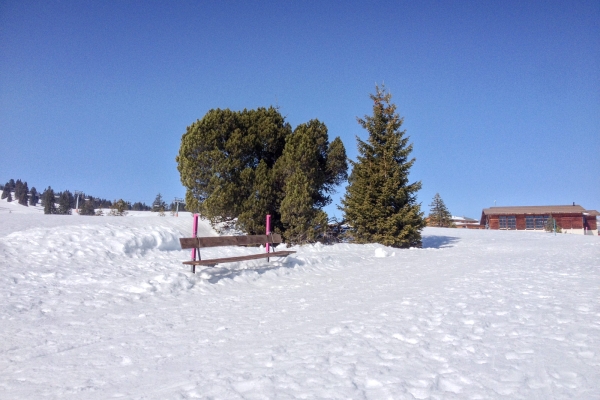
(216, 241)
(239, 258)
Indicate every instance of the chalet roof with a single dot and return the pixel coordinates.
(577, 209)
(463, 219)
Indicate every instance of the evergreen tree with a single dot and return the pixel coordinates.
(33, 198)
(380, 204)
(48, 200)
(118, 208)
(308, 170)
(237, 164)
(18, 188)
(11, 185)
(158, 203)
(5, 191)
(552, 225)
(439, 214)
(64, 203)
(9, 198)
(87, 208)
(218, 158)
(23, 194)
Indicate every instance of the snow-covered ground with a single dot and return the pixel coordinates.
(101, 307)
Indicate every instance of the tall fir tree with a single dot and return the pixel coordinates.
(5, 191)
(34, 197)
(87, 208)
(64, 203)
(23, 194)
(439, 214)
(380, 203)
(308, 171)
(48, 200)
(158, 203)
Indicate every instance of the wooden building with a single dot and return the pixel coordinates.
(466, 223)
(571, 219)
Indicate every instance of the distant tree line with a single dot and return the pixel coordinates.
(63, 202)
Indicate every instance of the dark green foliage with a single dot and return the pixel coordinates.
(308, 170)
(380, 204)
(439, 214)
(9, 197)
(118, 208)
(11, 185)
(5, 191)
(158, 203)
(34, 197)
(87, 208)
(21, 192)
(64, 203)
(48, 200)
(139, 206)
(102, 203)
(218, 158)
(240, 165)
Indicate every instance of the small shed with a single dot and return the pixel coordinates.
(571, 218)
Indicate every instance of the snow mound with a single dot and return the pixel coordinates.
(102, 307)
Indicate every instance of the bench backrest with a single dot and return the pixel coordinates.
(216, 241)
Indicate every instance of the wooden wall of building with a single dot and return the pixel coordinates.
(565, 221)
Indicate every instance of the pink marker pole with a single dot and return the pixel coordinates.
(268, 245)
(195, 234)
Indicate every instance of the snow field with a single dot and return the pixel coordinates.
(101, 307)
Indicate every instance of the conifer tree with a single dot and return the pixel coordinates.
(23, 194)
(308, 170)
(118, 208)
(158, 203)
(5, 191)
(237, 164)
(439, 214)
(87, 208)
(34, 197)
(380, 203)
(64, 203)
(48, 200)
(9, 198)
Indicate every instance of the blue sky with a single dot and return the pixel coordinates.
(501, 100)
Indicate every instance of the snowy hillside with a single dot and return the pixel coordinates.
(101, 307)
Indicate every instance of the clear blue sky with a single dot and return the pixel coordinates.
(501, 99)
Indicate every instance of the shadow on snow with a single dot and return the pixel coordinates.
(438, 242)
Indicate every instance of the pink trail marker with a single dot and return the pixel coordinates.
(195, 234)
(268, 245)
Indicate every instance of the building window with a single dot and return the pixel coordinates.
(536, 221)
(529, 223)
(508, 222)
(540, 221)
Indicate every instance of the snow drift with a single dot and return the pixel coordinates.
(101, 307)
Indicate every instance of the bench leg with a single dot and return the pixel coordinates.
(193, 269)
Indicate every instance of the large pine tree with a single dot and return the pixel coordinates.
(33, 199)
(438, 213)
(48, 200)
(308, 171)
(238, 165)
(380, 203)
(64, 203)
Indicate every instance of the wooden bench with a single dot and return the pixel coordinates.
(217, 241)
